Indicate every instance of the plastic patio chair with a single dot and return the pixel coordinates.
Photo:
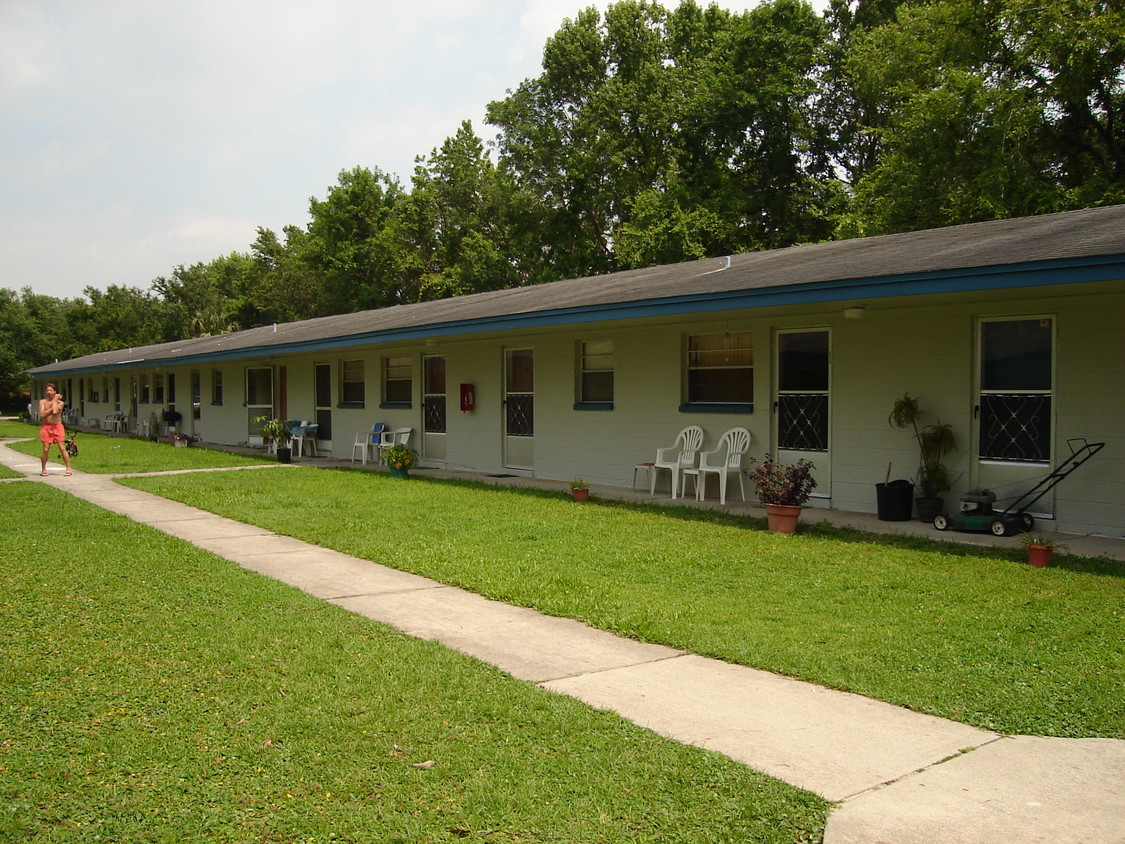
(724, 460)
(677, 457)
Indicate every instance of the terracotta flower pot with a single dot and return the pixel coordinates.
(580, 494)
(1039, 555)
(782, 518)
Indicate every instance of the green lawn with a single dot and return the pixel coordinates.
(972, 635)
(154, 692)
(102, 454)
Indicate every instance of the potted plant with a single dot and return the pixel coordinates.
(277, 432)
(579, 490)
(1040, 547)
(783, 490)
(934, 443)
(400, 459)
(181, 440)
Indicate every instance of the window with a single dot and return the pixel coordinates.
(352, 391)
(158, 388)
(720, 372)
(146, 396)
(259, 387)
(397, 383)
(1016, 380)
(216, 386)
(433, 394)
(595, 377)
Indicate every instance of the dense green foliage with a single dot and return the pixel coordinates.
(653, 136)
(154, 692)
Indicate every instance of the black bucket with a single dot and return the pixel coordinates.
(895, 501)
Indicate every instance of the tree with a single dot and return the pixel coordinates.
(456, 226)
(118, 317)
(33, 332)
(279, 286)
(654, 135)
(204, 299)
(988, 110)
(351, 246)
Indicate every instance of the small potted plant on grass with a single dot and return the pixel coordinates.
(1040, 547)
(783, 490)
(579, 490)
(400, 459)
(278, 432)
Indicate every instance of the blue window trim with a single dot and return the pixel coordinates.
(593, 405)
(396, 405)
(717, 408)
(351, 405)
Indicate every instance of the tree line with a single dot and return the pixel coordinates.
(653, 136)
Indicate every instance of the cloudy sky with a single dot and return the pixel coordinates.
(139, 135)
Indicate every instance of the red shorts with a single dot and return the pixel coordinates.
(52, 433)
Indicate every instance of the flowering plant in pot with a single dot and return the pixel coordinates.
(400, 459)
(783, 489)
(1040, 547)
(579, 490)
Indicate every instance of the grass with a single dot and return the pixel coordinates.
(102, 454)
(972, 635)
(155, 692)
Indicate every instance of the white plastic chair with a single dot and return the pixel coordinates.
(368, 441)
(677, 458)
(308, 437)
(725, 460)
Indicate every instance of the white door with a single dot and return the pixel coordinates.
(802, 404)
(259, 400)
(1014, 411)
(434, 408)
(519, 408)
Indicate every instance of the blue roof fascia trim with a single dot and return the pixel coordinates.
(1009, 276)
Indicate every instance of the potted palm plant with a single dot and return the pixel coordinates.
(935, 442)
(400, 459)
(783, 490)
(1040, 547)
(579, 490)
(276, 431)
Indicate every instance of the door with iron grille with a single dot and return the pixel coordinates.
(519, 408)
(802, 404)
(1014, 410)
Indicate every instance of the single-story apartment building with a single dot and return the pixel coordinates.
(1011, 331)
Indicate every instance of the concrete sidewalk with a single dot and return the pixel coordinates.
(898, 776)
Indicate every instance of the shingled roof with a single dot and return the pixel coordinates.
(1085, 245)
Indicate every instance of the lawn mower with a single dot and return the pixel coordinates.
(978, 515)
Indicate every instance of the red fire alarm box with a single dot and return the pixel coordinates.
(468, 398)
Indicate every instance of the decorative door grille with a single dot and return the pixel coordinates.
(1016, 427)
(802, 421)
(520, 415)
(433, 411)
